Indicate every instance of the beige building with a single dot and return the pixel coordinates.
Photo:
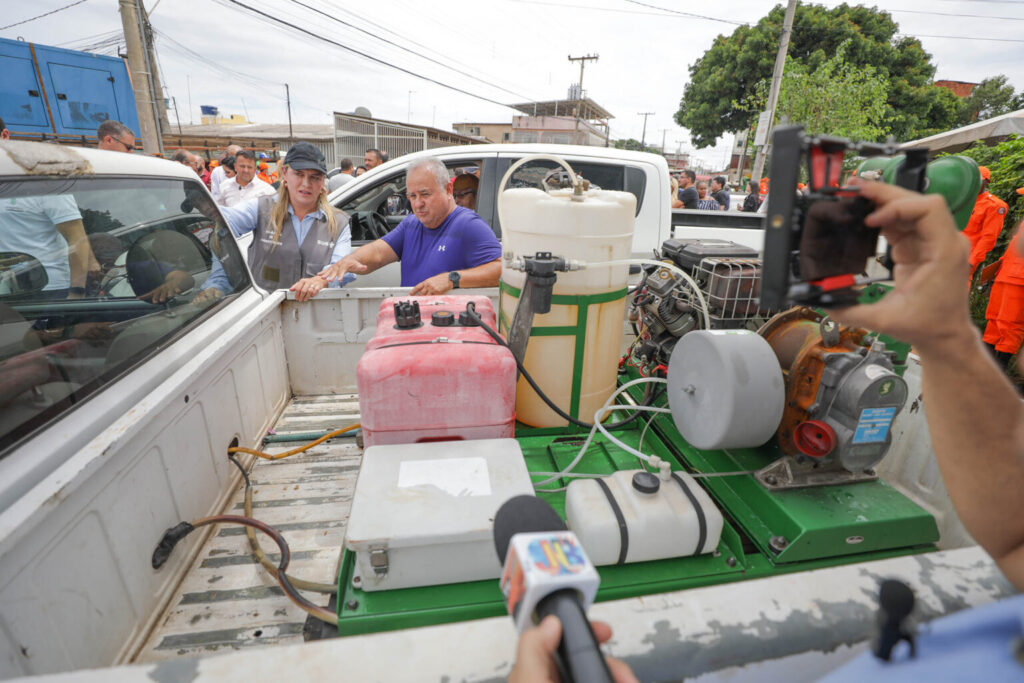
(485, 132)
(565, 122)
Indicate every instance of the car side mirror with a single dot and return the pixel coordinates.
(20, 275)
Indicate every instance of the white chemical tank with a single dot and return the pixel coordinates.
(659, 519)
(725, 389)
(574, 349)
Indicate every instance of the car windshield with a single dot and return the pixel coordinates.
(96, 274)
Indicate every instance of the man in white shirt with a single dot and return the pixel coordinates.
(345, 175)
(245, 185)
(217, 177)
(49, 228)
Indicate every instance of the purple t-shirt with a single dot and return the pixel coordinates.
(462, 241)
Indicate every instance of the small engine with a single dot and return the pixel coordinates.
(664, 306)
(842, 395)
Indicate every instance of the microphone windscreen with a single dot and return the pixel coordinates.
(523, 514)
(896, 598)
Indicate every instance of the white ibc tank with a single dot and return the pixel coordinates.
(725, 389)
(575, 365)
(677, 520)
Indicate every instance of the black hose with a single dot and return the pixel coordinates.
(471, 311)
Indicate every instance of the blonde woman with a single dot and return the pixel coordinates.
(674, 198)
(296, 234)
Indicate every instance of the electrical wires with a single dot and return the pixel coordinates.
(269, 17)
(40, 16)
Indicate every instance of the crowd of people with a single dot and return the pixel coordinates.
(688, 192)
(301, 242)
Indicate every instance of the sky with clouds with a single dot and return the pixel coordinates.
(217, 52)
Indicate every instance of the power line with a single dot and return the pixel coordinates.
(950, 14)
(589, 8)
(407, 39)
(370, 57)
(402, 47)
(925, 35)
(688, 14)
(45, 14)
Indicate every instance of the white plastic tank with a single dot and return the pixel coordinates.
(576, 364)
(677, 519)
(725, 389)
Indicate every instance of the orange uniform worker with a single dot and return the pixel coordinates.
(1005, 312)
(986, 222)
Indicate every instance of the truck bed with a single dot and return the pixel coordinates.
(227, 601)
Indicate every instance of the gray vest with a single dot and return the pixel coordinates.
(282, 266)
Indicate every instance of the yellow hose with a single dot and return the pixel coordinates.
(294, 451)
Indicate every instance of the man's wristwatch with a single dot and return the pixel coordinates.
(454, 277)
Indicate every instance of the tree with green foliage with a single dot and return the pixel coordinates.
(992, 97)
(726, 80)
(634, 145)
(836, 98)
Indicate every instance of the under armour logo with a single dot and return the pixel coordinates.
(441, 248)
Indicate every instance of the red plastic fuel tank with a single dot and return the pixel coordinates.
(440, 380)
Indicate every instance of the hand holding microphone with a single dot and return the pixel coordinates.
(546, 573)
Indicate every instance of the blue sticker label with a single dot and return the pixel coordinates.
(873, 426)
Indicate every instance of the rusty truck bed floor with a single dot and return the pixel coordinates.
(227, 600)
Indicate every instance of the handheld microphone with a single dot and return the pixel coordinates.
(547, 572)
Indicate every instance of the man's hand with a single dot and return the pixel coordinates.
(308, 287)
(208, 294)
(337, 270)
(535, 662)
(926, 307)
(176, 282)
(439, 284)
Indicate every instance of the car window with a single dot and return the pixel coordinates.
(387, 199)
(616, 177)
(96, 275)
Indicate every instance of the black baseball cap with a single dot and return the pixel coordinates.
(304, 156)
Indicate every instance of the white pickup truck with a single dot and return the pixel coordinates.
(116, 415)
(376, 199)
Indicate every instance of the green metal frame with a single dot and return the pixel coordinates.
(813, 522)
(802, 524)
(582, 303)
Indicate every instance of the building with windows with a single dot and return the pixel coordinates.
(572, 121)
(485, 132)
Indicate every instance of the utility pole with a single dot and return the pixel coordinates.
(773, 95)
(663, 131)
(288, 102)
(176, 117)
(149, 129)
(643, 136)
(579, 98)
(155, 81)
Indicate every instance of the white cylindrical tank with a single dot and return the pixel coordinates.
(573, 351)
(725, 389)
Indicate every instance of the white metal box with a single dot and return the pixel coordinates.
(423, 513)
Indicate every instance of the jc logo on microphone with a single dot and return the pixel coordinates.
(557, 555)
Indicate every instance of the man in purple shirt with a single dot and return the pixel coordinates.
(442, 246)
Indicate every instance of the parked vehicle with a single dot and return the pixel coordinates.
(117, 413)
(376, 200)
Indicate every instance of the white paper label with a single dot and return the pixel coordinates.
(455, 476)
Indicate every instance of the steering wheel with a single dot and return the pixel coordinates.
(377, 224)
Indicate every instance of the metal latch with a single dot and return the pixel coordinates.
(379, 559)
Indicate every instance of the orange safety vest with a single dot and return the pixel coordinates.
(1005, 312)
(985, 225)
